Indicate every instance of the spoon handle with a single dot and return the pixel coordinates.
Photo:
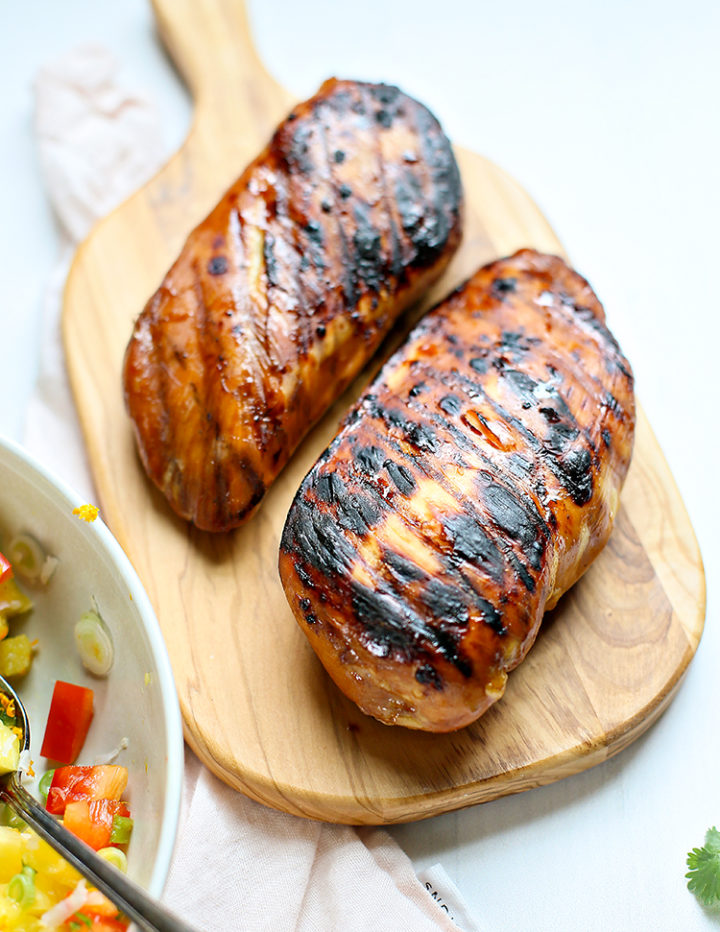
(134, 902)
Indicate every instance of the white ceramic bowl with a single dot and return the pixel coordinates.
(137, 700)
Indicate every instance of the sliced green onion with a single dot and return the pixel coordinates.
(44, 783)
(26, 556)
(22, 887)
(122, 826)
(81, 919)
(116, 857)
(94, 644)
(13, 820)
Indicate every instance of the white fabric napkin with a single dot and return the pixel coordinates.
(237, 865)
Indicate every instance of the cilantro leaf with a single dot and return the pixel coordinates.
(704, 874)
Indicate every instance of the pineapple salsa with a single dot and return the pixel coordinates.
(39, 890)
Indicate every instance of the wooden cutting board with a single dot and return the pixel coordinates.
(258, 708)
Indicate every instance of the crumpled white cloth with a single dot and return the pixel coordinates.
(237, 865)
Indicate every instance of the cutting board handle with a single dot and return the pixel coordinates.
(210, 41)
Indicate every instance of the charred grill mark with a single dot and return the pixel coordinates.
(384, 118)
(476, 547)
(391, 628)
(297, 153)
(418, 435)
(385, 625)
(395, 264)
(349, 283)
(559, 436)
(357, 509)
(386, 95)
(592, 328)
(315, 538)
(368, 259)
(520, 466)
(355, 513)
(287, 224)
(217, 265)
(486, 555)
(447, 643)
(465, 441)
(255, 324)
(571, 466)
(271, 269)
(550, 415)
(403, 570)
(446, 603)
(523, 385)
(329, 488)
(253, 481)
(623, 368)
(575, 467)
(427, 674)
(401, 476)
(593, 323)
(314, 234)
(503, 286)
(479, 364)
(520, 571)
(445, 188)
(370, 459)
(209, 351)
(514, 343)
(519, 519)
(523, 522)
(450, 404)
(409, 200)
(470, 542)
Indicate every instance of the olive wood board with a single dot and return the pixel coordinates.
(258, 708)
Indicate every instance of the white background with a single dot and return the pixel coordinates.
(609, 115)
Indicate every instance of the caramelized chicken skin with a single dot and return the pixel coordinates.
(472, 484)
(283, 293)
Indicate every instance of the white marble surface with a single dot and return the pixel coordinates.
(608, 115)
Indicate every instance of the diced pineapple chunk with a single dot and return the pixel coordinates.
(11, 852)
(9, 749)
(53, 871)
(13, 600)
(12, 918)
(15, 656)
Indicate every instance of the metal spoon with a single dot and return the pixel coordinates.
(130, 898)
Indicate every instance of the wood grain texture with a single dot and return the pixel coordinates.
(258, 708)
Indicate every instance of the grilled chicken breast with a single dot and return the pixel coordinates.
(283, 293)
(472, 484)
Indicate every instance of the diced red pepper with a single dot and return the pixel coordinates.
(91, 820)
(72, 784)
(6, 570)
(71, 711)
